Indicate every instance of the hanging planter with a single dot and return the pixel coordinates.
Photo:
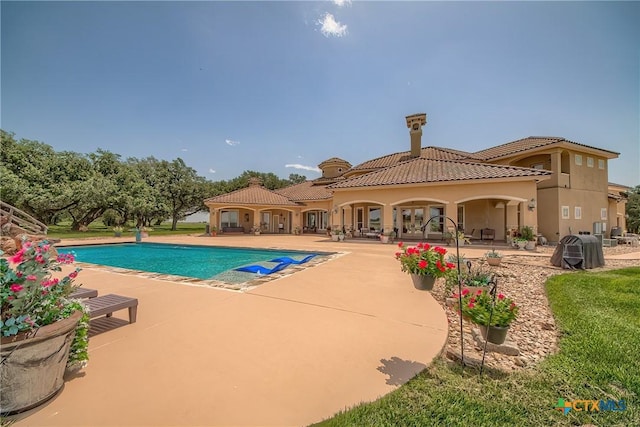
(424, 263)
(423, 283)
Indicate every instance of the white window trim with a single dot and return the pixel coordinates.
(578, 158)
(601, 164)
(577, 212)
(603, 213)
(565, 212)
(590, 162)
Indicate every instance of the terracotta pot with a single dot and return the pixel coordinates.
(494, 334)
(33, 364)
(495, 262)
(423, 283)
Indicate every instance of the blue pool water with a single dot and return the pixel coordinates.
(200, 262)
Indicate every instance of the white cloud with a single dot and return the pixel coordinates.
(231, 142)
(330, 27)
(304, 167)
(184, 149)
(341, 3)
(212, 171)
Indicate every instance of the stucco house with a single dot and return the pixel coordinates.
(551, 184)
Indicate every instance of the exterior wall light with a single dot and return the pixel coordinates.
(532, 204)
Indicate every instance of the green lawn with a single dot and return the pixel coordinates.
(63, 230)
(599, 318)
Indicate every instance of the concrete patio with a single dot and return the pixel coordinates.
(291, 352)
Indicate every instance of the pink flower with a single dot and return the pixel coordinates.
(16, 288)
(471, 305)
(500, 296)
(18, 257)
(39, 259)
(465, 291)
(400, 244)
(73, 274)
(32, 277)
(479, 292)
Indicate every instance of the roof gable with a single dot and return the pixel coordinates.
(252, 195)
(421, 170)
(530, 144)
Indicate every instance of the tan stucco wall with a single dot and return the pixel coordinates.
(479, 198)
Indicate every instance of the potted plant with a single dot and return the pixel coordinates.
(296, 230)
(493, 258)
(43, 331)
(256, 230)
(117, 231)
(144, 231)
(213, 231)
(527, 234)
(334, 235)
(493, 320)
(387, 236)
(520, 242)
(424, 263)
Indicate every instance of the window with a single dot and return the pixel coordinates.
(437, 224)
(537, 166)
(229, 218)
(590, 162)
(374, 218)
(577, 213)
(565, 212)
(603, 213)
(461, 218)
(578, 160)
(600, 164)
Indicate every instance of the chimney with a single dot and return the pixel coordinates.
(415, 123)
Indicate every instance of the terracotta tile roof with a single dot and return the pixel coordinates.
(437, 153)
(252, 195)
(422, 170)
(526, 144)
(305, 191)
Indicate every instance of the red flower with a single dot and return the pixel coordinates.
(479, 292)
(451, 265)
(73, 274)
(500, 296)
(400, 244)
(16, 288)
(471, 305)
(422, 264)
(17, 258)
(465, 291)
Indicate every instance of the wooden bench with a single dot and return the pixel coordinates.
(83, 293)
(107, 304)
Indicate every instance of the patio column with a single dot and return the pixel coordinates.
(347, 217)
(451, 211)
(212, 218)
(387, 218)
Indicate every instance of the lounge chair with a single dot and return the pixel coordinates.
(292, 260)
(261, 269)
(107, 304)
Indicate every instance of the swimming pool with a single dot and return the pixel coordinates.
(200, 262)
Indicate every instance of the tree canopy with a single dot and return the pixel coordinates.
(51, 185)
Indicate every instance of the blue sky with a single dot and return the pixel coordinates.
(282, 86)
